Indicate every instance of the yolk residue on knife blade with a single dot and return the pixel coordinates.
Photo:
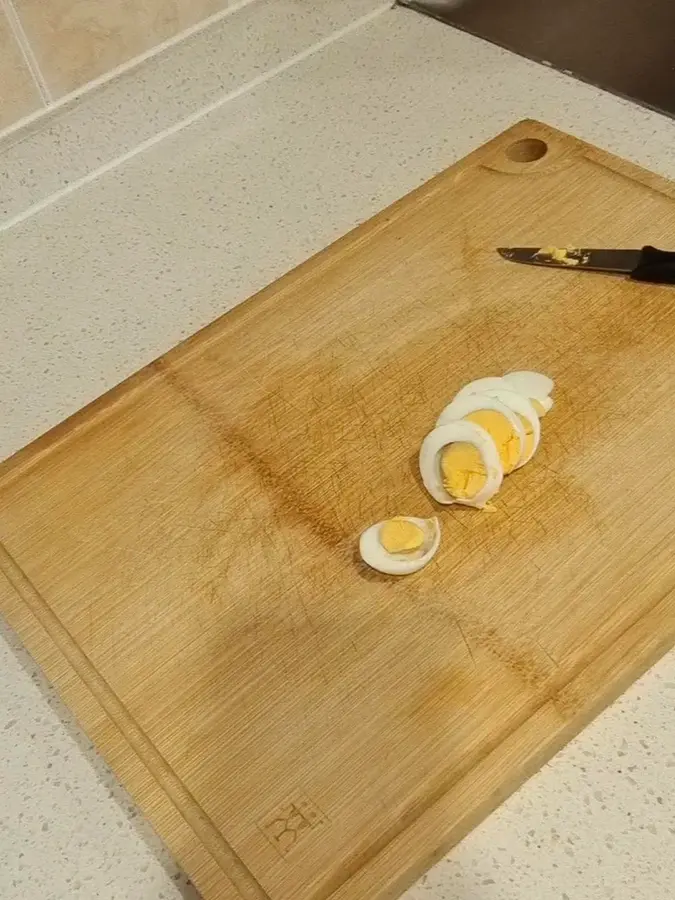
(560, 254)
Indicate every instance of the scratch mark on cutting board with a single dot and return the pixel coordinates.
(466, 642)
(548, 655)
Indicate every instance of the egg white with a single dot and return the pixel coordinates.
(480, 385)
(533, 385)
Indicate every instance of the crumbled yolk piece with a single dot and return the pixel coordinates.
(538, 407)
(529, 435)
(463, 470)
(401, 536)
(559, 254)
(501, 431)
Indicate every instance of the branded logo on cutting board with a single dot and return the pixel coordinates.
(290, 823)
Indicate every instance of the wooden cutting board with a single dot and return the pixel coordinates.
(180, 556)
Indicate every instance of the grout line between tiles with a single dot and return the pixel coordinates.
(27, 52)
(193, 117)
(53, 105)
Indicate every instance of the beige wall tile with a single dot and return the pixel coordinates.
(77, 40)
(18, 92)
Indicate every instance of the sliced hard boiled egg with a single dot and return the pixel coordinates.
(503, 425)
(400, 546)
(525, 410)
(459, 463)
(533, 385)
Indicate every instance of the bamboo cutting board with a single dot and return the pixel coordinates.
(180, 556)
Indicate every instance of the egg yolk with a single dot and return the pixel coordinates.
(463, 470)
(529, 436)
(401, 536)
(559, 254)
(501, 431)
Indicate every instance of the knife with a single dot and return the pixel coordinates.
(647, 264)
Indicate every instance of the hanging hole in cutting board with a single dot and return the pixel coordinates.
(527, 150)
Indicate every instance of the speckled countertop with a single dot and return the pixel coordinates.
(113, 251)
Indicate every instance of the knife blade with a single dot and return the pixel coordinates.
(647, 264)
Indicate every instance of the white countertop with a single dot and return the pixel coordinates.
(112, 251)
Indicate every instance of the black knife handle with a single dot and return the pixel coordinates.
(657, 266)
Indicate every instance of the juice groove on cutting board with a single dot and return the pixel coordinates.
(180, 556)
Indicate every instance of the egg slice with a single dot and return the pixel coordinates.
(504, 426)
(528, 416)
(400, 546)
(459, 463)
(533, 385)
(525, 411)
